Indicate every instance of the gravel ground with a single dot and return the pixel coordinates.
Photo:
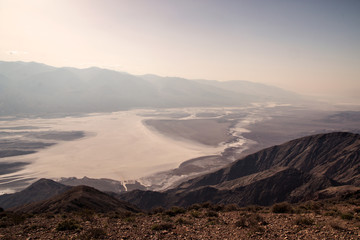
(340, 221)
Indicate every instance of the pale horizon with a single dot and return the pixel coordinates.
(308, 47)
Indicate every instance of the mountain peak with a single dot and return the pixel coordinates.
(39, 190)
(77, 199)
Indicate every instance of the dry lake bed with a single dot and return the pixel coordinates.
(155, 146)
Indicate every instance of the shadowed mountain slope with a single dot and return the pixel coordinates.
(39, 190)
(334, 155)
(78, 199)
(303, 169)
(293, 171)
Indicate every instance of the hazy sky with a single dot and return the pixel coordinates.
(308, 46)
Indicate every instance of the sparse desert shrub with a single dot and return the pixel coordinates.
(212, 214)
(283, 207)
(257, 229)
(175, 211)
(298, 210)
(355, 202)
(212, 220)
(230, 208)
(195, 214)
(251, 220)
(206, 205)
(8, 237)
(113, 215)
(332, 212)
(94, 233)
(129, 219)
(166, 218)
(259, 219)
(68, 225)
(33, 227)
(182, 221)
(318, 212)
(86, 214)
(311, 205)
(252, 208)
(347, 216)
(10, 219)
(304, 221)
(162, 226)
(241, 222)
(217, 207)
(157, 210)
(17, 218)
(139, 214)
(337, 226)
(195, 206)
(49, 215)
(126, 214)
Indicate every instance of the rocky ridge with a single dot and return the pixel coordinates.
(294, 171)
(76, 199)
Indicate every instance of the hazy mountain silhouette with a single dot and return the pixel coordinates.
(263, 91)
(34, 88)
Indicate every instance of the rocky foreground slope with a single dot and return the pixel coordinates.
(326, 219)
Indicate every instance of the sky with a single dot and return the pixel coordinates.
(307, 46)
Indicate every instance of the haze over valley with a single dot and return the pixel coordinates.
(179, 119)
(150, 131)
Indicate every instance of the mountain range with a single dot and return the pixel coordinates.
(312, 167)
(294, 171)
(34, 88)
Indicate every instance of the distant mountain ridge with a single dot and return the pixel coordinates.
(34, 88)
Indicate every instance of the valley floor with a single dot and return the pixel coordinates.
(156, 147)
(311, 220)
